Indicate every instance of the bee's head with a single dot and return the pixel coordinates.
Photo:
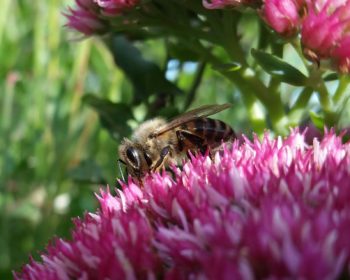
(135, 158)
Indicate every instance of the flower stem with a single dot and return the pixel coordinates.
(298, 111)
(324, 96)
(303, 98)
(343, 88)
(316, 81)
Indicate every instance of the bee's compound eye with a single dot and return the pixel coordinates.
(133, 156)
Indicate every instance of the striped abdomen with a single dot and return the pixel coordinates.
(213, 132)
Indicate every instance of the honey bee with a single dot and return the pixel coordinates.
(156, 143)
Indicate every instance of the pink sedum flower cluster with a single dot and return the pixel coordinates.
(269, 209)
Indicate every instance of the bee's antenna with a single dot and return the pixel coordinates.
(120, 168)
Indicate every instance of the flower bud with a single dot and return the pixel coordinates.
(283, 16)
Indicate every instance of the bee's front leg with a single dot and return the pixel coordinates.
(120, 168)
(164, 153)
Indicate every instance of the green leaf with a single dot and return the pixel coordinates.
(113, 116)
(278, 68)
(228, 67)
(331, 77)
(146, 77)
(317, 120)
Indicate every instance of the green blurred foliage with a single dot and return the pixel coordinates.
(57, 97)
(48, 135)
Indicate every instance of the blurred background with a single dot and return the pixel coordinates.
(65, 106)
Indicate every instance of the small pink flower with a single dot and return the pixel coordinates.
(115, 7)
(85, 18)
(327, 23)
(283, 16)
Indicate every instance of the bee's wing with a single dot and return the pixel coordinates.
(202, 111)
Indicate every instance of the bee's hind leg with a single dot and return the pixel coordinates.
(192, 141)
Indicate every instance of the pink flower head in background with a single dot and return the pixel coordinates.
(325, 29)
(341, 55)
(89, 16)
(283, 16)
(85, 18)
(269, 209)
